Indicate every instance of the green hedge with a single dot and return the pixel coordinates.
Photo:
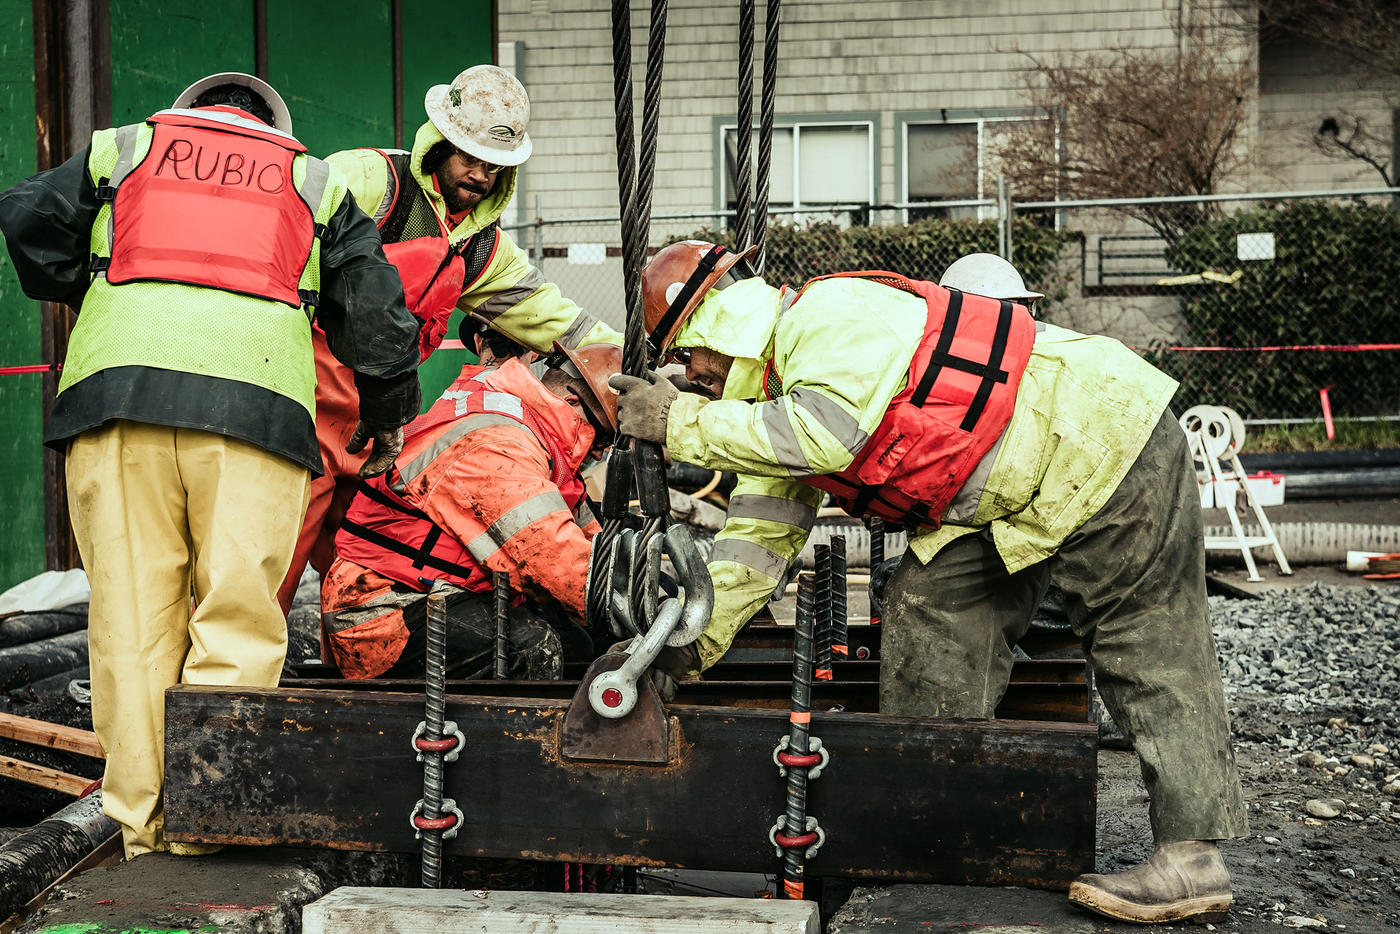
(920, 250)
(1333, 281)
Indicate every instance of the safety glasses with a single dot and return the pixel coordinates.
(490, 168)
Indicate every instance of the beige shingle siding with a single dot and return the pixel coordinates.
(878, 56)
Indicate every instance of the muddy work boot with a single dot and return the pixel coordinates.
(1181, 880)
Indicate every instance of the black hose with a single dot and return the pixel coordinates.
(32, 860)
(46, 656)
(30, 627)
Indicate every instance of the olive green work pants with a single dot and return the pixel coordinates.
(1134, 583)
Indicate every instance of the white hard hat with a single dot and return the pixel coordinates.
(987, 274)
(281, 116)
(484, 113)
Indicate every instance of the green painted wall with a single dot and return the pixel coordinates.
(332, 60)
(434, 52)
(21, 397)
(161, 47)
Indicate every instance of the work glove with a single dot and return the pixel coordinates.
(643, 405)
(388, 442)
(670, 667)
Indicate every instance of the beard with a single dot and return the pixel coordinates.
(462, 197)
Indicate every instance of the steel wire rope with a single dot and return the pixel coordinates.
(743, 166)
(635, 199)
(765, 134)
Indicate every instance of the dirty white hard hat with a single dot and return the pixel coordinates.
(281, 116)
(484, 113)
(987, 274)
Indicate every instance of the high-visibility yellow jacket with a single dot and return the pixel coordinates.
(1085, 408)
(511, 295)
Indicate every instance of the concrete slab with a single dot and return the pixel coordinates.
(235, 893)
(417, 911)
(958, 909)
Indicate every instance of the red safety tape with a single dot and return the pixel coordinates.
(823, 674)
(31, 368)
(793, 889)
(838, 650)
(800, 716)
(1327, 347)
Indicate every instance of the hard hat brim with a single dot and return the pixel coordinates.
(435, 103)
(281, 116)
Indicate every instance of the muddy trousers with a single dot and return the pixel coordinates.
(1134, 583)
(161, 514)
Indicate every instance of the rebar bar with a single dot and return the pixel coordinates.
(500, 590)
(435, 713)
(839, 629)
(795, 812)
(822, 603)
(877, 556)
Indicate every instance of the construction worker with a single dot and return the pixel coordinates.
(492, 348)
(988, 274)
(488, 481)
(437, 209)
(1009, 449)
(196, 246)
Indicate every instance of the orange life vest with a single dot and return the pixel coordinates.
(383, 531)
(212, 204)
(960, 395)
(435, 273)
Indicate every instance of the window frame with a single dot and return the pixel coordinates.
(903, 119)
(795, 122)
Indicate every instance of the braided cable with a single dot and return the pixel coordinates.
(743, 166)
(651, 120)
(765, 133)
(633, 345)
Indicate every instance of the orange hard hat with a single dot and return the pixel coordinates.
(677, 279)
(596, 364)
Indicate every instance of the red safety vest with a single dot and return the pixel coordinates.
(960, 395)
(384, 532)
(435, 273)
(212, 204)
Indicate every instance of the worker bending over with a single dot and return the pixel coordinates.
(188, 392)
(488, 481)
(1010, 450)
(438, 209)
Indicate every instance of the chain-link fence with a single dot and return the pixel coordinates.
(1259, 302)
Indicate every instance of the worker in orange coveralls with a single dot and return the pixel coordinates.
(488, 481)
(438, 209)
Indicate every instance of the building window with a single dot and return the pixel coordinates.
(816, 163)
(951, 157)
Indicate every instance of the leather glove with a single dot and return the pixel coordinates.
(643, 404)
(672, 666)
(388, 442)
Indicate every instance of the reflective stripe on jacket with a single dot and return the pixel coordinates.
(493, 467)
(958, 397)
(1084, 409)
(205, 248)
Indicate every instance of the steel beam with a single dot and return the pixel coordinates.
(903, 798)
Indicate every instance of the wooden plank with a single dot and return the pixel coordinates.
(43, 776)
(352, 910)
(904, 798)
(52, 735)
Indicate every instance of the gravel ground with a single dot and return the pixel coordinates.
(1312, 676)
